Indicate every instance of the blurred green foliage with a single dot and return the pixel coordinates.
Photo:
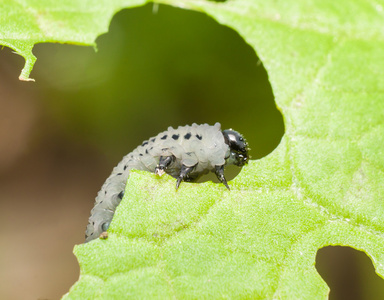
(153, 70)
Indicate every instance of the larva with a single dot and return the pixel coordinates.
(185, 153)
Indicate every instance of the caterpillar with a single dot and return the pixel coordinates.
(186, 153)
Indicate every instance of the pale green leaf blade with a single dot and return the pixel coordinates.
(25, 23)
(322, 186)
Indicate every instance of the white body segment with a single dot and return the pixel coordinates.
(199, 146)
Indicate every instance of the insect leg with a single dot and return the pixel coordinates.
(105, 226)
(183, 174)
(220, 175)
(164, 162)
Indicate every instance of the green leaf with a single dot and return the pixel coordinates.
(28, 22)
(323, 185)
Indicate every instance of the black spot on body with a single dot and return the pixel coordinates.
(141, 154)
(118, 174)
(125, 167)
(175, 136)
(146, 151)
(199, 137)
(164, 137)
(144, 143)
(188, 136)
(121, 195)
(153, 140)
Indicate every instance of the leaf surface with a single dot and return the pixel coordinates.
(323, 185)
(25, 23)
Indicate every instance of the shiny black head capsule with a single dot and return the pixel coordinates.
(239, 147)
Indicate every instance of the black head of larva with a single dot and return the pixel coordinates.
(238, 146)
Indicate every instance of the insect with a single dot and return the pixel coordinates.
(186, 153)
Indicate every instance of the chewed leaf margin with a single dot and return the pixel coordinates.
(25, 24)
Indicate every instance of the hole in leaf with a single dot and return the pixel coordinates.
(154, 70)
(349, 273)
